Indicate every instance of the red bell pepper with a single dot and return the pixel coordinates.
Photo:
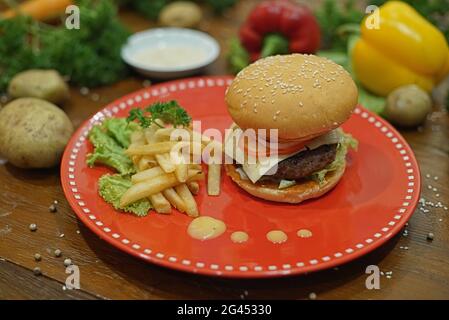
(280, 27)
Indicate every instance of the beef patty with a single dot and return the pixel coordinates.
(305, 163)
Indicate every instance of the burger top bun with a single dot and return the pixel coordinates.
(303, 96)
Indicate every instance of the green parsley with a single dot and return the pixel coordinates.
(169, 112)
(89, 56)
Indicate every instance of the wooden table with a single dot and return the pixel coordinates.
(422, 271)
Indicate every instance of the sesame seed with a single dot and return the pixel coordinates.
(37, 257)
(33, 227)
(52, 208)
(57, 253)
(430, 236)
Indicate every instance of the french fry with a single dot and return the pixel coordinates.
(160, 204)
(194, 148)
(163, 134)
(175, 200)
(143, 164)
(186, 196)
(135, 160)
(164, 161)
(181, 172)
(195, 166)
(195, 176)
(150, 160)
(151, 149)
(197, 136)
(157, 184)
(194, 187)
(149, 134)
(137, 138)
(213, 179)
(147, 174)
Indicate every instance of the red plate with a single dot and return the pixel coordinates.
(371, 203)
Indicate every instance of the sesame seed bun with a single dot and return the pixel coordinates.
(300, 192)
(303, 96)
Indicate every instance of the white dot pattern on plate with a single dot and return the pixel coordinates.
(283, 268)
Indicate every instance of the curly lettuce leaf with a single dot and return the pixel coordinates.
(117, 160)
(100, 137)
(347, 141)
(284, 184)
(112, 188)
(120, 130)
(107, 150)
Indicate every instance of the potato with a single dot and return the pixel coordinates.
(43, 84)
(33, 133)
(408, 106)
(181, 14)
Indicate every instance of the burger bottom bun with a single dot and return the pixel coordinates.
(300, 192)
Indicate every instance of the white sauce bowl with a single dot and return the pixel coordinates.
(166, 53)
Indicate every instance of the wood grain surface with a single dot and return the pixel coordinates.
(420, 268)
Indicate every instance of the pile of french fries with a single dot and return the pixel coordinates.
(164, 182)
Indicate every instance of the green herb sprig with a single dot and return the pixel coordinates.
(169, 112)
(331, 16)
(89, 56)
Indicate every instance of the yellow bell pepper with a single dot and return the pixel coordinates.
(405, 49)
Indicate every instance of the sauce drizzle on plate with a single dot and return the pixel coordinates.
(277, 236)
(239, 237)
(304, 233)
(206, 228)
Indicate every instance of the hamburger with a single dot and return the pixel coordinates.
(305, 99)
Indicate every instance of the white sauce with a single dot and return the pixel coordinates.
(170, 56)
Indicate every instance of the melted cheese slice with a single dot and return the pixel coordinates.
(255, 168)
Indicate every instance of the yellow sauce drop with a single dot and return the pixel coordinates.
(239, 237)
(277, 236)
(304, 233)
(206, 228)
